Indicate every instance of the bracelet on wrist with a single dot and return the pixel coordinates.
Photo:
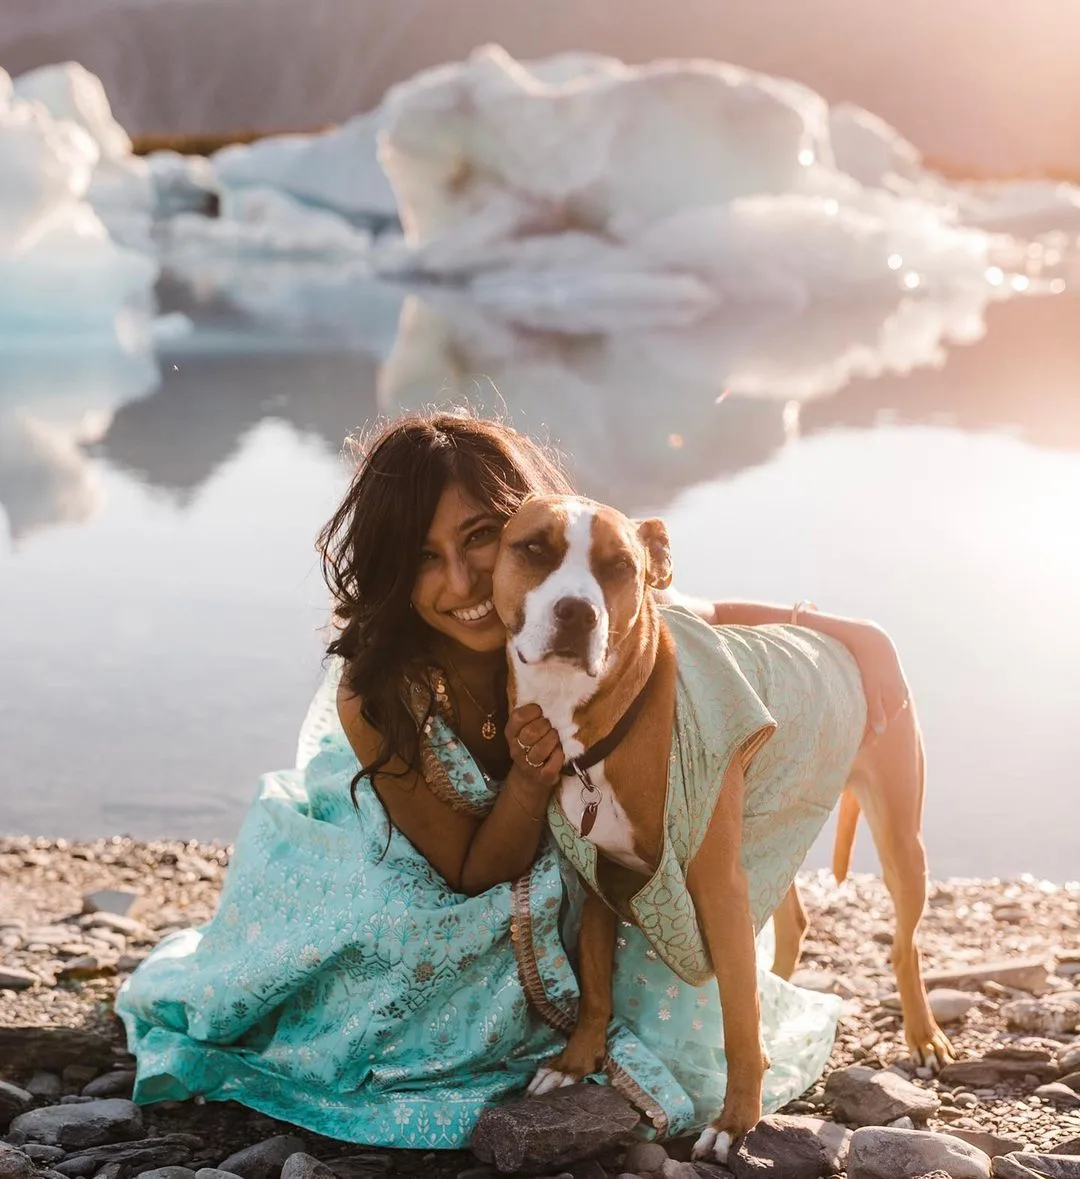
(801, 605)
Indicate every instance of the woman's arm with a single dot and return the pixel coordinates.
(879, 665)
(472, 854)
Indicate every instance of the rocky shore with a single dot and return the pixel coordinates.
(1002, 959)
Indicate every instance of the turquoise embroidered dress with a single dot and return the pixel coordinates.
(344, 987)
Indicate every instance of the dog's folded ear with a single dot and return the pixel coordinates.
(654, 536)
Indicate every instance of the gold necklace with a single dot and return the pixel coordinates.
(488, 729)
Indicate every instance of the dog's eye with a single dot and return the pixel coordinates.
(531, 548)
(619, 565)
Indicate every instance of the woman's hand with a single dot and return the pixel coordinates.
(882, 676)
(535, 748)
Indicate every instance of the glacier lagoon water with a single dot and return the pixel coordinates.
(160, 600)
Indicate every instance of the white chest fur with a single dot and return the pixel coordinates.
(560, 691)
(611, 832)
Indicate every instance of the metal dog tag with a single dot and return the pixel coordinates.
(588, 817)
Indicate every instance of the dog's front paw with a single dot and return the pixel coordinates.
(715, 1141)
(930, 1048)
(583, 1054)
(712, 1146)
(548, 1077)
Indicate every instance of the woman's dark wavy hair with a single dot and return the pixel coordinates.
(371, 550)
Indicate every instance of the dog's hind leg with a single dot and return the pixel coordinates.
(790, 923)
(888, 780)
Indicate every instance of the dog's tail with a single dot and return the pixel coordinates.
(846, 822)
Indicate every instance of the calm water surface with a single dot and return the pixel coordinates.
(161, 606)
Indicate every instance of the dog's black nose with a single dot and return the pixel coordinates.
(577, 613)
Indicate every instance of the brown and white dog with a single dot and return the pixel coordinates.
(574, 585)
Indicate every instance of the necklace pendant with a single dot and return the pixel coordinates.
(488, 730)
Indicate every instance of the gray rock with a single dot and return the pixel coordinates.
(13, 978)
(360, 1166)
(168, 1173)
(265, 1159)
(795, 1147)
(14, 1164)
(42, 1154)
(643, 1158)
(13, 1101)
(989, 1144)
(950, 1005)
(1068, 1059)
(1072, 1080)
(552, 1129)
(880, 1153)
(118, 1083)
(305, 1166)
(214, 1173)
(77, 1075)
(109, 900)
(43, 1084)
(987, 1072)
(146, 1154)
(78, 1126)
(111, 1171)
(50, 1048)
(1069, 1146)
(1025, 974)
(868, 1097)
(1052, 1014)
(1023, 1165)
(1059, 1095)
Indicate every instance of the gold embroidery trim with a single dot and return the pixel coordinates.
(434, 772)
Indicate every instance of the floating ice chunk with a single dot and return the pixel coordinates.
(71, 92)
(337, 169)
(61, 275)
(120, 189)
(628, 145)
(869, 149)
(265, 221)
(183, 184)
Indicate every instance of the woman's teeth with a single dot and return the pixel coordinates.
(474, 613)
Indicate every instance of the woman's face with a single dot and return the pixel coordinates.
(452, 593)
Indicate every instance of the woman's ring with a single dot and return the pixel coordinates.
(536, 765)
(522, 745)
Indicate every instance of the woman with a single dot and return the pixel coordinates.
(392, 946)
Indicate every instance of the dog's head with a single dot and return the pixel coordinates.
(571, 579)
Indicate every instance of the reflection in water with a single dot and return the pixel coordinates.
(641, 415)
(51, 404)
(193, 604)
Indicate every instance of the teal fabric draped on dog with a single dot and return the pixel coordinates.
(790, 697)
(344, 987)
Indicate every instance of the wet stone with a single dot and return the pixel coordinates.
(553, 1129)
(14, 1164)
(13, 1101)
(265, 1159)
(864, 1097)
(118, 1083)
(82, 1125)
(305, 1166)
(795, 1147)
(880, 1153)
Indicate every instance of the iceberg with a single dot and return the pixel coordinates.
(62, 276)
(521, 178)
